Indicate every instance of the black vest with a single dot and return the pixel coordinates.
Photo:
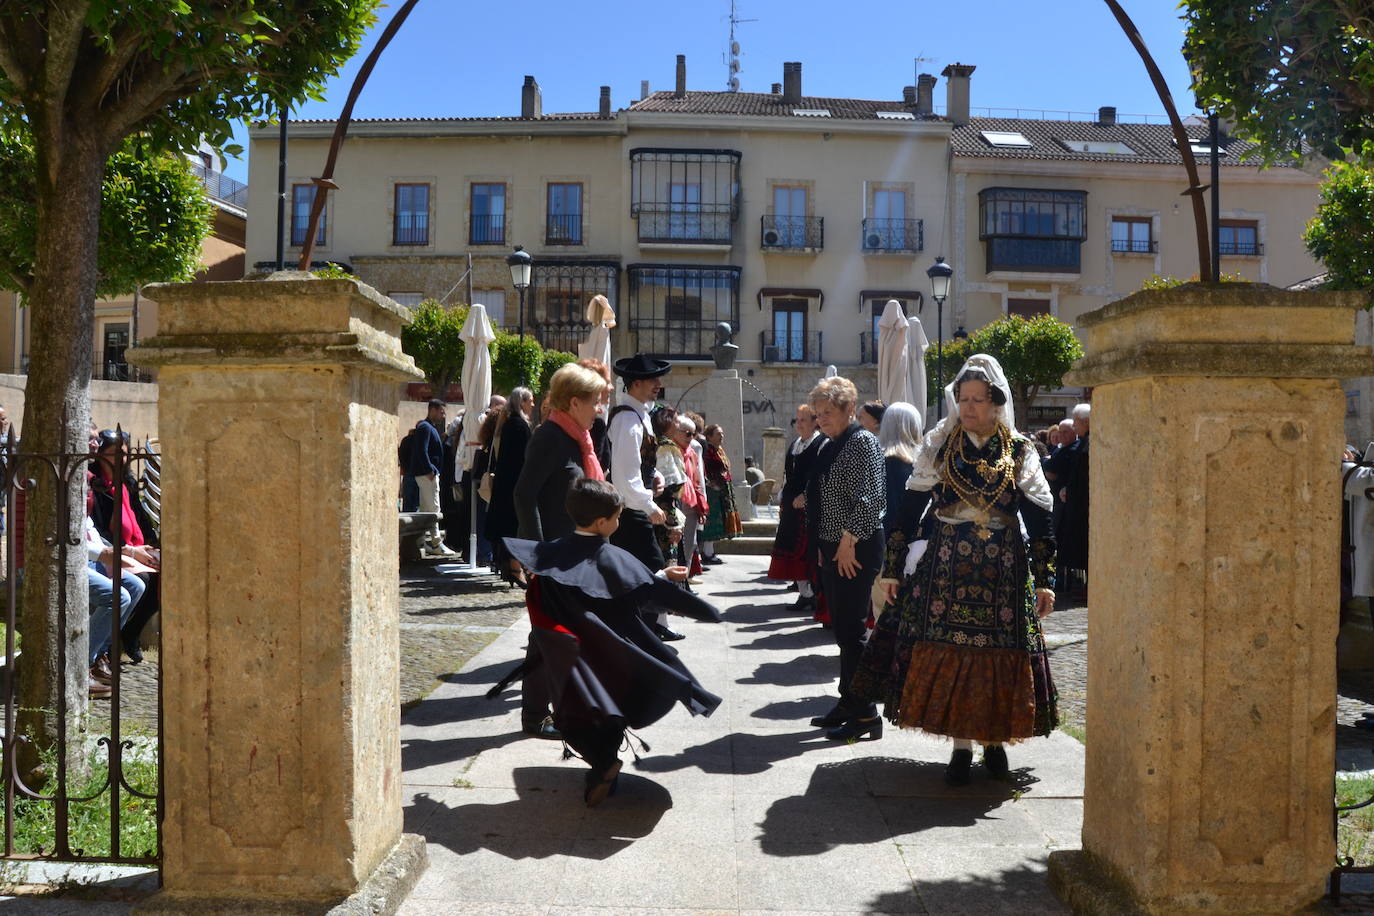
(648, 447)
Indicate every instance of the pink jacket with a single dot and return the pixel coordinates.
(692, 495)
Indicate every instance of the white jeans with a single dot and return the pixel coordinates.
(429, 502)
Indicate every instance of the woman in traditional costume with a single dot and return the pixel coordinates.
(792, 559)
(722, 519)
(959, 652)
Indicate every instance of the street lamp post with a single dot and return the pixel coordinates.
(519, 262)
(940, 274)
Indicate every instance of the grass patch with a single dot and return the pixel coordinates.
(1075, 732)
(1355, 829)
(88, 823)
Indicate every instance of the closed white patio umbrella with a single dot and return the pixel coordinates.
(477, 337)
(917, 343)
(894, 363)
(598, 343)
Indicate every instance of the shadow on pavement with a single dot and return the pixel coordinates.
(1020, 889)
(798, 672)
(810, 637)
(738, 753)
(803, 710)
(420, 753)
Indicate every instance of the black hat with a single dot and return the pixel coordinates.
(639, 366)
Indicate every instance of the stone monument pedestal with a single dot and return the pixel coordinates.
(1216, 441)
(281, 643)
(725, 407)
(774, 457)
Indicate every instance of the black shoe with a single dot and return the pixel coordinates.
(545, 729)
(665, 634)
(601, 783)
(995, 759)
(712, 561)
(805, 603)
(836, 716)
(960, 762)
(132, 652)
(854, 729)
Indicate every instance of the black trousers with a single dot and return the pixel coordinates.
(534, 689)
(849, 600)
(636, 534)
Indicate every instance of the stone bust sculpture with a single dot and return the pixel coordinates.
(724, 351)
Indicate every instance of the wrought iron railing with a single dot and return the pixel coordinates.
(411, 229)
(92, 770)
(565, 336)
(670, 338)
(564, 229)
(791, 231)
(487, 229)
(893, 234)
(1135, 246)
(707, 224)
(792, 346)
(1047, 255)
(1240, 249)
(221, 186)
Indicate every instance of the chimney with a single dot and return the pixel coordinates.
(791, 83)
(531, 103)
(909, 96)
(681, 91)
(956, 88)
(925, 95)
(605, 101)
(643, 90)
(777, 88)
(1106, 115)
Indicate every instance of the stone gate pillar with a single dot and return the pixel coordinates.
(724, 401)
(774, 457)
(1214, 598)
(281, 637)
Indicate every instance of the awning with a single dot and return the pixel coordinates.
(909, 295)
(794, 292)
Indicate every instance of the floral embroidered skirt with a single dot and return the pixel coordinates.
(960, 652)
(722, 519)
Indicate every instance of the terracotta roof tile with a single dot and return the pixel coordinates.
(1153, 143)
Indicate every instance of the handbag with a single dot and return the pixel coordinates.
(488, 481)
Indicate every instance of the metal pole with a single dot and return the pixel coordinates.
(939, 356)
(469, 279)
(1216, 197)
(281, 191)
(523, 380)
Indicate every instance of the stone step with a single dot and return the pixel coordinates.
(758, 546)
(760, 528)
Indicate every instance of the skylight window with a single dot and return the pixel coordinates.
(897, 115)
(811, 112)
(1203, 147)
(1110, 147)
(1006, 139)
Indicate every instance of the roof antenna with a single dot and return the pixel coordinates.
(732, 55)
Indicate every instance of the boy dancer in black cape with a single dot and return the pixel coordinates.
(606, 669)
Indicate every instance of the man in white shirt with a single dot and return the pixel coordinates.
(633, 457)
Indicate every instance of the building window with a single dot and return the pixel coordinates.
(488, 215)
(1028, 308)
(564, 226)
(409, 300)
(1239, 237)
(674, 309)
(788, 341)
(410, 223)
(684, 196)
(302, 198)
(1134, 234)
(556, 306)
(887, 228)
(116, 367)
(1032, 230)
(494, 301)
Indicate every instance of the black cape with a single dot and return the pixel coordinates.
(602, 661)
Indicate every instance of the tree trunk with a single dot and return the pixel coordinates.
(54, 612)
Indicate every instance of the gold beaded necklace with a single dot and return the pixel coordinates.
(1002, 470)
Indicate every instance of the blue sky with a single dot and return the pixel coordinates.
(454, 59)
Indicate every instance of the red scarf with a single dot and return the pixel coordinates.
(583, 437)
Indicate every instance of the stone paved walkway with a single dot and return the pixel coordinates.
(748, 811)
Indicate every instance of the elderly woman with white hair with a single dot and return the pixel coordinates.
(900, 437)
(959, 651)
(844, 510)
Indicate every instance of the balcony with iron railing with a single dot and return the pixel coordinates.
(686, 224)
(563, 229)
(1244, 249)
(411, 229)
(1134, 246)
(563, 336)
(902, 236)
(792, 346)
(791, 233)
(674, 338)
(487, 229)
(221, 187)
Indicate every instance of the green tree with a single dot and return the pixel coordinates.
(551, 362)
(1341, 235)
(955, 352)
(1035, 353)
(1287, 72)
(81, 77)
(153, 218)
(434, 339)
(515, 361)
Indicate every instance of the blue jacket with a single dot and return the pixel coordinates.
(427, 452)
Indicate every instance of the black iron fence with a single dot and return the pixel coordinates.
(82, 777)
(708, 224)
(893, 234)
(1240, 249)
(1135, 246)
(791, 232)
(221, 187)
(563, 229)
(670, 338)
(565, 336)
(792, 346)
(487, 229)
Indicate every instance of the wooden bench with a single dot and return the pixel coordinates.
(413, 528)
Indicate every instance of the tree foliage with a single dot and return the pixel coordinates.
(434, 339)
(515, 361)
(153, 218)
(1286, 71)
(1035, 353)
(1341, 235)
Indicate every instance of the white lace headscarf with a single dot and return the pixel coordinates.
(924, 472)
